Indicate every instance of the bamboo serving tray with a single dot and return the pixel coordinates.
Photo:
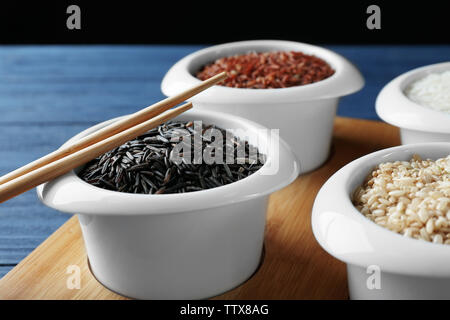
(294, 265)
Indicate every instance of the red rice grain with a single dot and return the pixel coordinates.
(268, 70)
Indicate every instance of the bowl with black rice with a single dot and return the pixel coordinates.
(177, 213)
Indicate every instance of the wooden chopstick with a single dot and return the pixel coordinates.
(56, 168)
(126, 123)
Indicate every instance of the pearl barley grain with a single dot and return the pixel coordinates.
(409, 197)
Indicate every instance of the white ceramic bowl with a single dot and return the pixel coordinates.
(304, 114)
(410, 268)
(417, 123)
(174, 246)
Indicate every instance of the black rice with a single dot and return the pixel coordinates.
(146, 164)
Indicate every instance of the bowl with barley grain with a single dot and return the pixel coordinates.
(387, 216)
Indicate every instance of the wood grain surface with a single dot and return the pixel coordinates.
(294, 265)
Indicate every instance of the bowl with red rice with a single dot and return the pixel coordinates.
(290, 86)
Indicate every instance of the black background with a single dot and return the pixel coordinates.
(288, 309)
(211, 22)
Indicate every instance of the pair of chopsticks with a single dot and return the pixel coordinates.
(82, 151)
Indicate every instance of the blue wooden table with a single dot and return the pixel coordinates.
(50, 93)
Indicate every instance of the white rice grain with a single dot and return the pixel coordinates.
(432, 91)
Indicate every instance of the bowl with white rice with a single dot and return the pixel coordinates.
(418, 102)
(387, 216)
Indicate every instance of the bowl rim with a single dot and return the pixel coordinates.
(71, 194)
(346, 80)
(371, 243)
(394, 107)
